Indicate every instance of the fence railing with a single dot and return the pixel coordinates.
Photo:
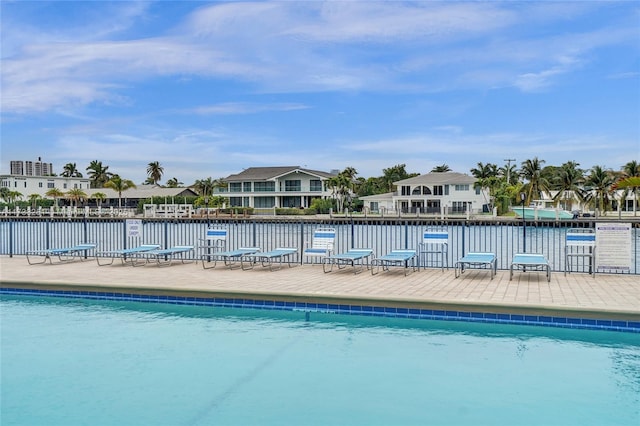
(504, 238)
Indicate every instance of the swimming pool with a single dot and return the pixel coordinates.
(74, 362)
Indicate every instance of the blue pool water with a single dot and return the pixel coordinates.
(76, 362)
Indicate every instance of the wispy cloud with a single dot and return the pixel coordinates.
(296, 47)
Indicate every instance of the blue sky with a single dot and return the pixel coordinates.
(208, 89)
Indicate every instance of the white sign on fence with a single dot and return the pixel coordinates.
(613, 247)
(134, 228)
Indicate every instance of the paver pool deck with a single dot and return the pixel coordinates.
(577, 294)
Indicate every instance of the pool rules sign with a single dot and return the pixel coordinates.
(613, 242)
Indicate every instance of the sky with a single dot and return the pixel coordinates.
(208, 89)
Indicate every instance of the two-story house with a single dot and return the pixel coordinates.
(433, 192)
(276, 187)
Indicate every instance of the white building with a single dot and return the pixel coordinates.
(27, 185)
(434, 192)
(276, 187)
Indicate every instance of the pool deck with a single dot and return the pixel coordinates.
(576, 295)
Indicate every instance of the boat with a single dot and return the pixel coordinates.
(538, 210)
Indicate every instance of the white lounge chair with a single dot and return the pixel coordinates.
(64, 254)
(131, 255)
(356, 258)
(477, 261)
(321, 243)
(269, 258)
(405, 259)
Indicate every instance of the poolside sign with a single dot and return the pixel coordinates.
(134, 228)
(613, 242)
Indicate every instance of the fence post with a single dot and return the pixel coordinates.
(353, 233)
(10, 237)
(47, 237)
(301, 241)
(406, 234)
(465, 227)
(166, 233)
(124, 234)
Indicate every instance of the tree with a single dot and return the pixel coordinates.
(76, 195)
(441, 169)
(4, 194)
(568, 180)
(394, 174)
(155, 171)
(98, 174)
(33, 198)
(55, 193)
(600, 182)
(629, 171)
(119, 185)
(342, 186)
(487, 178)
(99, 197)
(531, 171)
(14, 196)
(204, 187)
(174, 183)
(70, 170)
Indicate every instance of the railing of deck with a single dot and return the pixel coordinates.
(504, 238)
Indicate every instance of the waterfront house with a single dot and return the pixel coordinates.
(276, 187)
(434, 192)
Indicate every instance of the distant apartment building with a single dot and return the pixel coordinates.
(31, 168)
(36, 177)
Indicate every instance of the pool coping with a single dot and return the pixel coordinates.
(569, 317)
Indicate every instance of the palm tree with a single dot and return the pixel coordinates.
(630, 170)
(14, 196)
(98, 174)
(155, 171)
(70, 170)
(99, 197)
(34, 199)
(600, 182)
(204, 187)
(441, 169)
(55, 193)
(486, 175)
(174, 183)
(394, 174)
(76, 195)
(568, 180)
(531, 170)
(118, 184)
(4, 194)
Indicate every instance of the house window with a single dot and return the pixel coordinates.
(264, 202)
(315, 185)
(292, 185)
(459, 206)
(246, 187)
(235, 187)
(438, 190)
(446, 190)
(462, 187)
(39, 184)
(291, 202)
(477, 190)
(64, 186)
(235, 201)
(373, 206)
(416, 191)
(51, 185)
(264, 187)
(406, 190)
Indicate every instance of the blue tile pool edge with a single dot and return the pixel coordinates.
(362, 310)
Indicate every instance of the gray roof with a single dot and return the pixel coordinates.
(439, 178)
(268, 173)
(144, 191)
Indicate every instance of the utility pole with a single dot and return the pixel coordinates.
(509, 160)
